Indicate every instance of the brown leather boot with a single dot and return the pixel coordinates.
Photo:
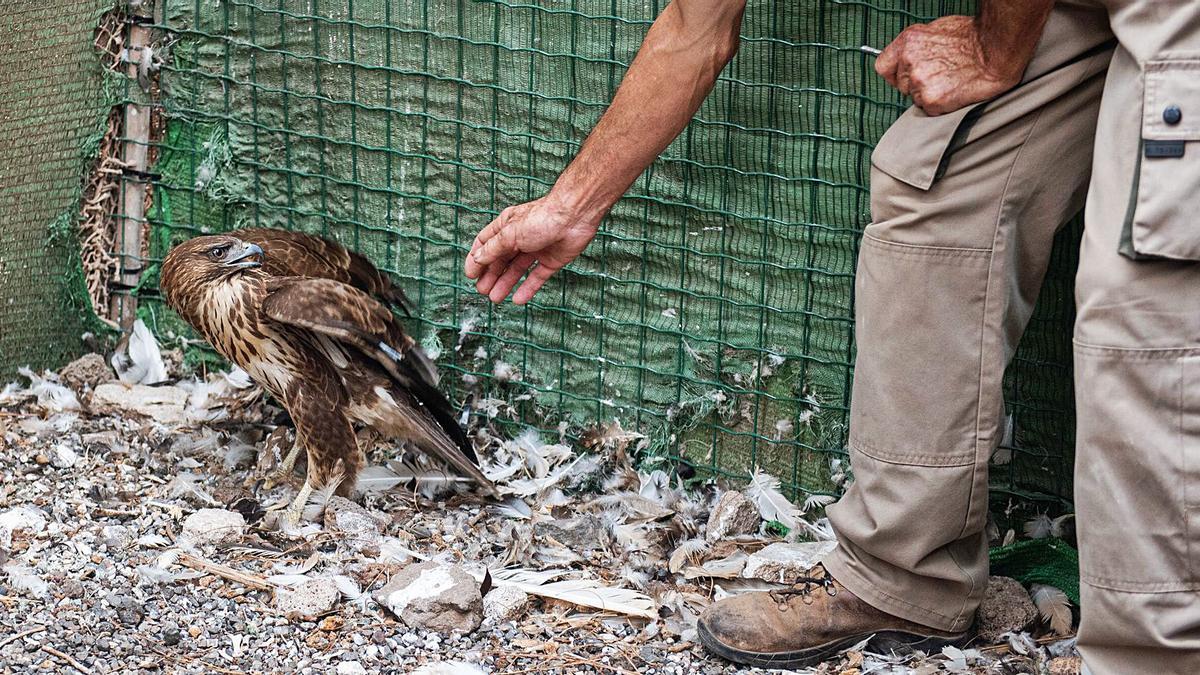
(808, 623)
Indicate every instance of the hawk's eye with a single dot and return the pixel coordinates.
(218, 252)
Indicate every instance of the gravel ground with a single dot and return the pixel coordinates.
(99, 577)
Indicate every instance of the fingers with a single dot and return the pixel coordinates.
(474, 267)
(533, 283)
(504, 283)
(889, 59)
(903, 82)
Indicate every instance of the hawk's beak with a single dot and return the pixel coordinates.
(251, 255)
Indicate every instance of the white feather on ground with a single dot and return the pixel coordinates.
(1054, 606)
(51, 396)
(763, 490)
(142, 362)
(23, 578)
(581, 592)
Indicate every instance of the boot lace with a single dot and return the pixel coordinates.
(803, 587)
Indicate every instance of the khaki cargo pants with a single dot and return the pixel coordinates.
(964, 209)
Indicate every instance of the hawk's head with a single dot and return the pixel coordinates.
(198, 264)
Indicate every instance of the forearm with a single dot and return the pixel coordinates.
(675, 69)
(1009, 31)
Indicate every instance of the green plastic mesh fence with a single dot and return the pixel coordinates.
(51, 118)
(713, 312)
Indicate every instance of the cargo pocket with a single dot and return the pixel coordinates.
(1163, 220)
(916, 149)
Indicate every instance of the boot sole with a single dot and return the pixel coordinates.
(882, 641)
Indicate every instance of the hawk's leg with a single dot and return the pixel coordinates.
(289, 521)
(283, 472)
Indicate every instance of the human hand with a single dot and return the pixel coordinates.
(539, 237)
(945, 65)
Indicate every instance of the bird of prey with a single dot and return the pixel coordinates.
(334, 356)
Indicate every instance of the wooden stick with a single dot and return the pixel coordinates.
(244, 578)
(5, 642)
(68, 658)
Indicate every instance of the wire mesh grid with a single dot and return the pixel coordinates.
(714, 310)
(52, 114)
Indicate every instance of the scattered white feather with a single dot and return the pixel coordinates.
(581, 592)
(51, 396)
(763, 490)
(1040, 527)
(141, 362)
(449, 668)
(23, 578)
(689, 552)
(1054, 606)
(817, 502)
(187, 484)
(315, 505)
(286, 580)
(392, 550)
(350, 591)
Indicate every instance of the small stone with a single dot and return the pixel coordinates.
(194, 631)
(433, 596)
(580, 534)
(86, 372)
(165, 404)
(505, 603)
(1066, 665)
(214, 526)
(41, 459)
(117, 536)
(331, 623)
(171, 636)
(351, 668)
(309, 599)
(1006, 608)
(63, 456)
(734, 514)
(362, 530)
(783, 563)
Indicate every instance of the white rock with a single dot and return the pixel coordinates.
(362, 530)
(433, 596)
(308, 599)
(166, 405)
(119, 534)
(784, 563)
(213, 526)
(22, 518)
(505, 603)
(63, 456)
(351, 668)
(734, 514)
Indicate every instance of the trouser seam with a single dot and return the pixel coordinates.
(874, 452)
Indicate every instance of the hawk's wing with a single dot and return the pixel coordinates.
(347, 314)
(296, 254)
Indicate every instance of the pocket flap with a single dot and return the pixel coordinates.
(912, 149)
(1172, 108)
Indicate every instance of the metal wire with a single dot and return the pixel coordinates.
(714, 310)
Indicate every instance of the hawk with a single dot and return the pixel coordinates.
(333, 355)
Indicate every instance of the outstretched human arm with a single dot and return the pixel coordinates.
(955, 61)
(675, 69)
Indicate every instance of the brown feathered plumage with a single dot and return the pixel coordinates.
(329, 352)
(296, 254)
